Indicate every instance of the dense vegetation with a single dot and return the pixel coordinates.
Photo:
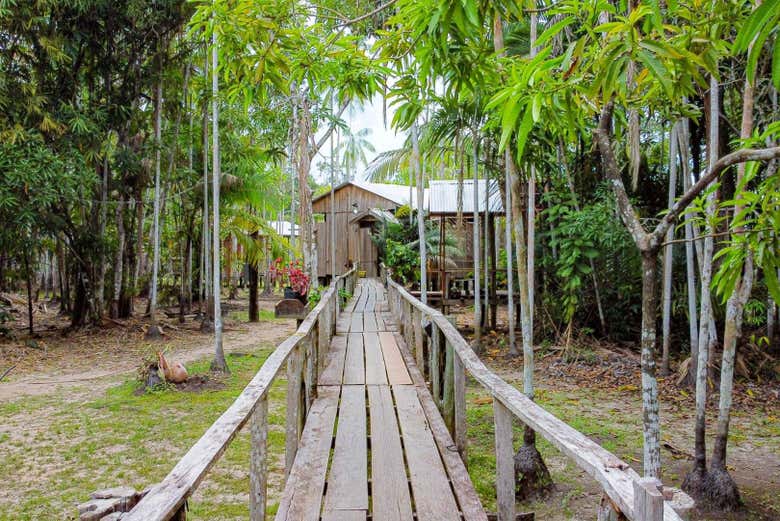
(141, 143)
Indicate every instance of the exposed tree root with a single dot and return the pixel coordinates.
(153, 333)
(721, 492)
(532, 479)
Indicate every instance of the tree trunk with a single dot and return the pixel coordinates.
(722, 490)
(207, 325)
(420, 182)
(690, 254)
(254, 311)
(695, 482)
(154, 331)
(219, 363)
(101, 278)
(476, 246)
(668, 255)
(120, 255)
(28, 277)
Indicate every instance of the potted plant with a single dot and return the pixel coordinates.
(292, 278)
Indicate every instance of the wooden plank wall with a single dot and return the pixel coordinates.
(352, 242)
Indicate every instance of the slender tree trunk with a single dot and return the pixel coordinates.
(695, 483)
(154, 331)
(420, 182)
(690, 254)
(219, 363)
(206, 291)
(668, 255)
(120, 255)
(254, 310)
(498, 45)
(722, 490)
(101, 278)
(476, 247)
(28, 280)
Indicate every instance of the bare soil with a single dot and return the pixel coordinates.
(55, 358)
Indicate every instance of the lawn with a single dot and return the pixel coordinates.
(56, 449)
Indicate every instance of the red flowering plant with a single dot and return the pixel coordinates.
(290, 276)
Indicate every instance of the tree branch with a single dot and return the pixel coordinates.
(740, 156)
(325, 137)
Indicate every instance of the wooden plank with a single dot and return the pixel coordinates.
(356, 323)
(350, 307)
(258, 461)
(505, 465)
(344, 515)
(371, 298)
(375, 364)
(302, 496)
(348, 477)
(343, 323)
(394, 362)
(294, 411)
(334, 367)
(433, 497)
(380, 322)
(370, 323)
(390, 498)
(459, 379)
(471, 508)
(354, 369)
(648, 500)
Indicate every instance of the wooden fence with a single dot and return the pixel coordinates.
(304, 354)
(449, 357)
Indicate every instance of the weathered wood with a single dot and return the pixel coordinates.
(258, 464)
(459, 384)
(505, 465)
(448, 393)
(434, 358)
(470, 505)
(370, 322)
(334, 367)
(294, 416)
(648, 500)
(348, 477)
(390, 500)
(168, 499)
(309, 347)
(432, 496)
(376, 373)
(302, 496)
(354, 369)
(356, 323)
(394, 362)
(343, 323)
(614, 475)
(419, 341)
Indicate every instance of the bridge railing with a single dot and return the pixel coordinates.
(449, 357)
(303, 354)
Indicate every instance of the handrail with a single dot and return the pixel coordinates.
(168, 498)
(637, 498)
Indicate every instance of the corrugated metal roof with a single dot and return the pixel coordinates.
(443, 196)
(399, 194)
(282, 228)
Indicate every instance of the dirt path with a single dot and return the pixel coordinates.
(100, 372)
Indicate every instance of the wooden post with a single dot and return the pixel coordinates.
(258, 463)
(505, 463)
(310, 368)
(434, 359)
(419, 342)
(294, 417)
(608, 511)
(648, 500)
(448, 401)
(459, 384)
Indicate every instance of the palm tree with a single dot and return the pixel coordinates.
(353, 149)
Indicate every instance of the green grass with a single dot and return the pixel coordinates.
(243, 315)
(122, 439)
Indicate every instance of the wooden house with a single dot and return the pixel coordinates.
(351, 209)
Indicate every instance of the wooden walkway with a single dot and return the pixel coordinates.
(374, 445)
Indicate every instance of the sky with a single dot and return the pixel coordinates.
(367, 116)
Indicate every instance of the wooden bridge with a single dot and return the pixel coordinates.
(368, 438)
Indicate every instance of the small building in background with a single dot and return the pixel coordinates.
(351, 208)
